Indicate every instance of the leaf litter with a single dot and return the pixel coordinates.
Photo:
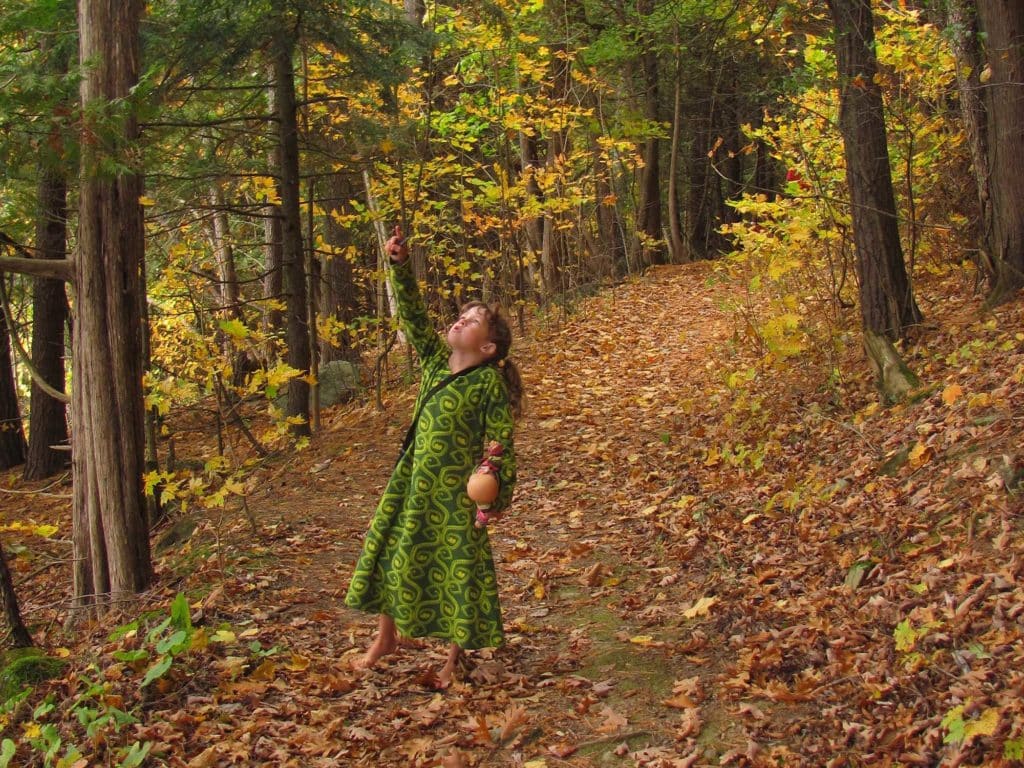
(701, 568)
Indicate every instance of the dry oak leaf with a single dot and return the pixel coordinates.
(205, 759)
(690, 724)
(613, 721)
(510, 721)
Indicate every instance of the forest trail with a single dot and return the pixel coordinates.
(593, 640)
(707, 563)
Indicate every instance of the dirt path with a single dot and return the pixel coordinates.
(596, 642)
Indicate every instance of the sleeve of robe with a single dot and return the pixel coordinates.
(412, 314)
(499, 426)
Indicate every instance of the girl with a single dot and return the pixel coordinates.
(425, 568)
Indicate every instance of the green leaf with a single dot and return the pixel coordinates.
(173, 644)
(157, 670)
(136, 754)
(905, 636)
(236, 329)
(1013, 749)
(181, 616)
(131, 656)
(7, 750)
(953, 722)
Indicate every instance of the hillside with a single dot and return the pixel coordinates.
(708, 563)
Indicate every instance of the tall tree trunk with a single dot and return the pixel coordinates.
(1002, 21)
(111, 544)
(47, 416)
(340, 297)
(962, 26)
(649, 214)
(677, 245)
(553, 241)
(533, 228)
(887, 304)
(20, 637)
(273, 249)
(293, 257)
(12, 434)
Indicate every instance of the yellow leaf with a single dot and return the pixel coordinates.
(298, 663)
(751, 518)
(641, 640)
(985, 725)
(952, 393)
(700, 608)
(223, 636)
(265, 671)
(62, 653)
(200, 640)
(920, 454)
(538, 589)
(146, 201)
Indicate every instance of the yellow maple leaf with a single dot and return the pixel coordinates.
(952, 393)
(985, 725)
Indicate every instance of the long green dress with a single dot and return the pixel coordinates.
(423, 561)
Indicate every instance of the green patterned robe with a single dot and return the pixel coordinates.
(423, 562)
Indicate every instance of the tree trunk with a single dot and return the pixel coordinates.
(649, 214)
(677, 246)
(111, 544)
(20, 638)
(12, 435)
(887, 302)
(553, 241)
(273, 319)
(340, 297)
(962, 26)
(47, 416)
(293, 257)
(1002, 21)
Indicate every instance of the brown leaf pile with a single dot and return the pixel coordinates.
(708, 563)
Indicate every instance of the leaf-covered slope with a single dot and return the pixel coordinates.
(708, 562)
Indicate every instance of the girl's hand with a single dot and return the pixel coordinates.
(395, 247)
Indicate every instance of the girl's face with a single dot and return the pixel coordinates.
(470, 332)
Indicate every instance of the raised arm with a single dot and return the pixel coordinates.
(412, 313)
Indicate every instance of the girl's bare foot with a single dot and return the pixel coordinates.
(381, 647)
(386, 642)
(447, 673)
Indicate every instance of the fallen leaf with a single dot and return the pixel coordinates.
(613, 721)
(700, 608)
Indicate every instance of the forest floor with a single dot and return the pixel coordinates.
(708, 562)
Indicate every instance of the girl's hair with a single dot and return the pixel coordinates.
(500, 333)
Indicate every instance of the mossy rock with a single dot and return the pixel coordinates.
(26, 666)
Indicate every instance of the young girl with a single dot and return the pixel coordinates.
(426, 569)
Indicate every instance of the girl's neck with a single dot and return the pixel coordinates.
(460, 360)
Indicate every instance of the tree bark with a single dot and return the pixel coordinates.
(12, 434)
(962, 25)
(1002, 21)
(273, 319)
(553, 241)
(888, 308)
(20, 637)
(293, 257)
(111, 543)
(649, 213)
(47, 416)
(340, 297)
